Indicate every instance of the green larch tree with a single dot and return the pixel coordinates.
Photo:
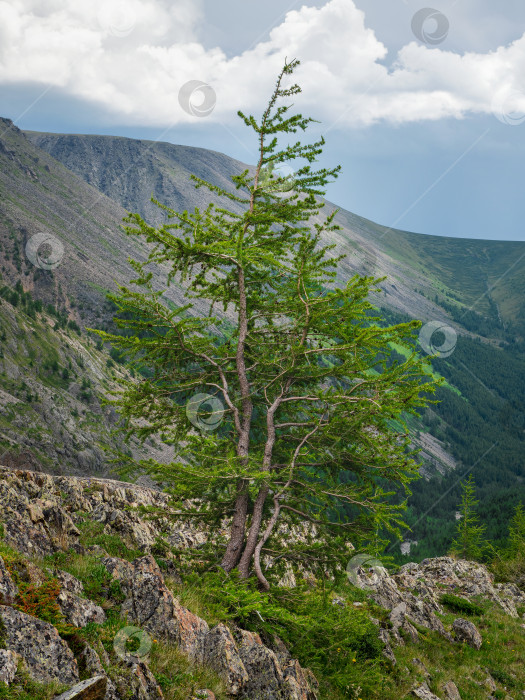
(308, 412)
(469, 542)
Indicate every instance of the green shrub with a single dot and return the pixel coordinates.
(461, 605)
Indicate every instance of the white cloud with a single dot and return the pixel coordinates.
(132, 56)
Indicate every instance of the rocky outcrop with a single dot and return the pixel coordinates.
(47, 656)
(41, 513)
(424, 692)
(249, 669)
(413, 595)
(221, 654)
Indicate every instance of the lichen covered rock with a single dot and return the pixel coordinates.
(47, 656)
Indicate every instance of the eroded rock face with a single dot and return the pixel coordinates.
(143, 683)
(424, 692)
(413, 594)
(451, 691)
(47, 656)
(432, 577)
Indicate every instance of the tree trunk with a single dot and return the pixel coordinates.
(253, 535)
(238, 527)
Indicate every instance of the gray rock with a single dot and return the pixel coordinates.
(90, 660)
(265, 674)
(91, 689)
(424, 692)
(69, 583)
(221, 654)
(8, 588)
(451, 691)
(46, 655)
(151, 605)
(467, 632)
(387, 651)
(79, 611)
(143, 683)
(8, 665)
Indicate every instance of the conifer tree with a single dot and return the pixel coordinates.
(307, 410)
(469, 542)
(516, 542)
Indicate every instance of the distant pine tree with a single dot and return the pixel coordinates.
(517, 531)
(469, 542)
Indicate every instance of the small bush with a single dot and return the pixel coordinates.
(461, 605)
(41, 602)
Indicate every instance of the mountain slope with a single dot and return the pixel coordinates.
(479, 424)
(488, 275)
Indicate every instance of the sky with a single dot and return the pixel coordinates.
(423, 106)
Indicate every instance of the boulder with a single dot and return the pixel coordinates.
(79, 611)
(47, 656)
(8, 588)
(91, 689)
(466, 631)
